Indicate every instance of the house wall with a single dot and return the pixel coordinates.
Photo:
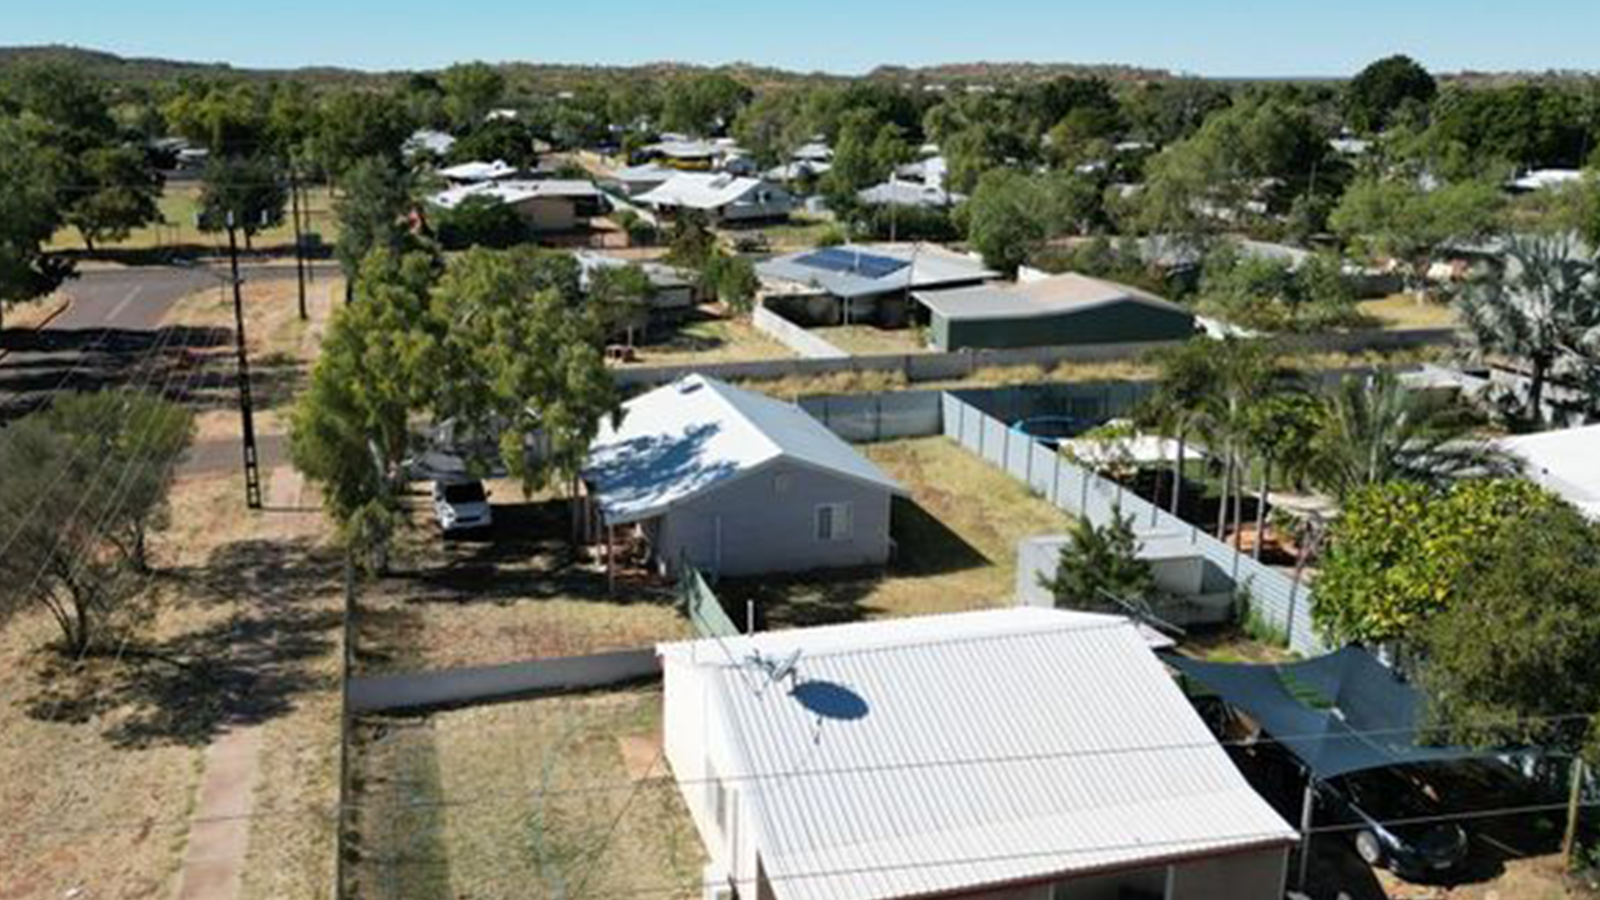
(548, 214)
(1110, 324)
(1257, 875)
(764, 529)
(769, 201)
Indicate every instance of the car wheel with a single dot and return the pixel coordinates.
(1368, 848)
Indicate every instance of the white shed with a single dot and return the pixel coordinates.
(1023, 754)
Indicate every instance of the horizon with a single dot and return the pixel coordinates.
(1248, 40)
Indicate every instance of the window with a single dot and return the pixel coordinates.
(833, 521)
(781, 482)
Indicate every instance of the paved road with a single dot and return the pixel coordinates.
(113, 334)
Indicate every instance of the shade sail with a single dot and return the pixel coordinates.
(1339, 713)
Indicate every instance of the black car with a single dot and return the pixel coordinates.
(1393, 818)
(1389, 815)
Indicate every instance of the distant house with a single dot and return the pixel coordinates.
(428, 142)
(1013, 754)
(693, 154)
(1563, 461)
(672, 289)
(1060, 310)
(548, 207)
(930, 170)
(736, 483)
(1543, 180)
(859, 283)
(641, 179)
(725, 198)
(797, 170)
(478, 172)
(909, 194)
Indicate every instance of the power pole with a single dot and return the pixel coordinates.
(299, 242)
(252, 463)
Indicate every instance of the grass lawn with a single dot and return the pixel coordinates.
(870, 340)
(180, 202)
(956, 545)
(516, 593)
(801, 232)
(557, 797)
(709, 337)
(1406, 311)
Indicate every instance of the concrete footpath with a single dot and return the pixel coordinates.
(219, 838)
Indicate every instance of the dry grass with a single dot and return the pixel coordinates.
(1408, 311)
(179, 204)
(33, 313)
(520, 592)
(481, 803)
(870, 340)
(709, 337)
(103, 759)
(956, 545)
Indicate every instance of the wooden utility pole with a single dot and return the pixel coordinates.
(252, 462)
(299, 240)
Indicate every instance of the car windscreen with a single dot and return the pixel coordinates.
(466, 492)
(1392, 794)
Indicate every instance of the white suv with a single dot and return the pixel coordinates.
(461, 505)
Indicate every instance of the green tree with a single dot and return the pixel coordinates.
(1100, 566)
(251, 189)
(1377, 431)
(84, 481)
(355, 125)
(507, 139)
(1393, 218)
(703, 104)
(522, 361)
(228, 120)
(118, 194)
(737, 284)
(1516, 652)
(1398, 549)
(1542, 309)
(349, 428)
(480, 221)
(1383, 87)
(29, 215)
(1007, 218)
(621, 297)
(471, 90)
(691, 242)
(371, 213)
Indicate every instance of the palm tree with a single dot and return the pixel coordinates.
(1176, 407)
(1245, 375)
(1543, 309)
(1375, 430)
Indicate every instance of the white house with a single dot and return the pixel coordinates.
(726, 198)
(1015, 754)
(736, 483)
(548, 206)
(1566, 462)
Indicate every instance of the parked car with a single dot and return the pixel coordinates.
(1389, 814)
(461, 505)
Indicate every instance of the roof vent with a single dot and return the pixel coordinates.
(690, 386)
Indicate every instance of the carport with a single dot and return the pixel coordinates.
(1338, 714)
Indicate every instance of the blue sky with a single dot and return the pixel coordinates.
(1208, 37)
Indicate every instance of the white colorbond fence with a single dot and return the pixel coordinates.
(1274, 597)
(793, 336)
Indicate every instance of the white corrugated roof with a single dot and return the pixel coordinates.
(1564, 462)
(928, 266)
(700, 190)
(516, 191)
(949, 753)
(697, 434)
(478, 171)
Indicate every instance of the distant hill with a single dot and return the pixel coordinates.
(554, 76)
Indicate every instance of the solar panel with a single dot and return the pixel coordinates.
(838, 259)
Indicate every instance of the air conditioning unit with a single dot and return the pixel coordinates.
(716, 885)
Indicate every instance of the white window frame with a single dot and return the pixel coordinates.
(839, 517)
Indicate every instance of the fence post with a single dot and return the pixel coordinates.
(341, 814)
(1055, 479)
(877, 418)
(1005, 451)
(1083, 494)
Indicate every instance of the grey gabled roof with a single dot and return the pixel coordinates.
(926, 267)
(1053, 296)
(688, 438)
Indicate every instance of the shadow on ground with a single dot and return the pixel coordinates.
(246, 668)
